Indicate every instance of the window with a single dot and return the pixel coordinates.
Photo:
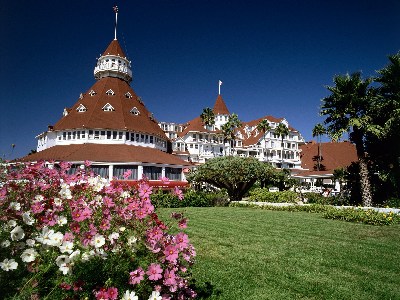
(103, 135)
(151, 139)
(120, 135)
(173, 173)
(81, 108)
(100, 170)
(115, 135)
(90, 134)
(108, 135)
(135, 111)
(128, 95)
(96, 134)
(196, 146)
(110, 92)
(108, 107)
(120, 170)
(92, 93)
(152, 173)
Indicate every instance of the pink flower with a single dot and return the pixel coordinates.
(171, 253)
(108, 202)
(87, 163)
(164, 180)
(182, 223)
(177, 192)
(154, 272)
(102, 295)
(169, 277)
(145, 190)
(112, 293)
(136, 276)
(127, 174)
(181, 240)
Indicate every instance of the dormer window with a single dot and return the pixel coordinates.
(108, 107)
(135, 111)
(92, 93)
(81, 108)
(110, 92)
(140, 100)
(128, 95)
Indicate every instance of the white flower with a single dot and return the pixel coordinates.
(57, 201)
(12, 223)
(8, 265)
(64, 268)
(56, 239)
(17, 233)
(113, 236)
(74, 255)
(44, 236)
(98, 240)
(39, 198)
(62, 259)
(28, 220)
(30, 242)
(131, 240)
(155, 296)
(5, 244)
(65, 192)
(29, 255)
(62, 220)
(122, 229)
(67, 247)
(129, 296)
(125, 194)
(15, 206)
(86, 256)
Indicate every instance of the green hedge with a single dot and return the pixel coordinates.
(192, 199)
(370, 216)
(263, 195)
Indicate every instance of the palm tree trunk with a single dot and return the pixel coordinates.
(365, 183)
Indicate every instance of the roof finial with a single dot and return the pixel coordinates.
(116, 20)
(219, 87)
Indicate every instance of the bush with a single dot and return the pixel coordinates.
(192, 198)
(79, 237)
(312, 208)
(263, 195)
(331, 200)
(392, 202)
(370, 216)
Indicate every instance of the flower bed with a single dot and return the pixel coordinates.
(78, 237)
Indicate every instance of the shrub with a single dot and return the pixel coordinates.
(263, 195)
(192, 199)
(369, 216)
(79, 237)
(392, 202)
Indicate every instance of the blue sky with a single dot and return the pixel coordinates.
(274, 57)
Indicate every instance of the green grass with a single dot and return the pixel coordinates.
(248, 254)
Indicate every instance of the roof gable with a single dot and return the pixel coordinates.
(220, 107)
(114, 48)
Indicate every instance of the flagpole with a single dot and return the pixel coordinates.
(219, 87)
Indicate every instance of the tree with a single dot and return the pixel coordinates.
(347, 109)
(264, 127)
(281, 130)
(318, 131)
(229, 129)
(339, 175)
(208, 117)
(235, 174)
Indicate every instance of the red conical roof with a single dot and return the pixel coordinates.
(123, 101)
(114, 49)
(220, 106)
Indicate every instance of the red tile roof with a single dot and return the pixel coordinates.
(196, 125)
(114, 49)
(120, 119)
(105, 153)
(334, 154)
(220, 106)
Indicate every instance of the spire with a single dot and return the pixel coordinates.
(219, 87)
(220, 107)
(116, 21)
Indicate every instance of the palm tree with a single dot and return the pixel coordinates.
(264, 127)
(318, 131)
(281, 130)
(347, 110)
(339, 175)
(208, 117)
(229, 128)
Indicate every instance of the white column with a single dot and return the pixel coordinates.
(163, 172)
(110, 172)
(140, 172)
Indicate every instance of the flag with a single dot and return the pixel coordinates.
(220, 83)
(115, 9)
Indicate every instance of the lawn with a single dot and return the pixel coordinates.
(245, 253)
